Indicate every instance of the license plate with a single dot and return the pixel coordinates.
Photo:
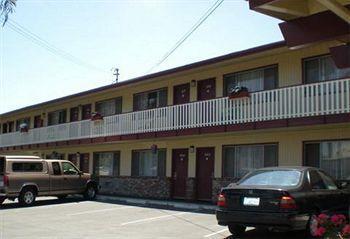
(247, 201)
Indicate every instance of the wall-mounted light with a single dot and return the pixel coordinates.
(191, 149)
(193, 83)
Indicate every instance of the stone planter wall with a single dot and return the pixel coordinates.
(145, 187)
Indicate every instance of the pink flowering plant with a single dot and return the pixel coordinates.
(330, 226)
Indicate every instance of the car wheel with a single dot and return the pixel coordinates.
(27, 197)
(236, 230)
(311, 225)
(61, 197)
(90, 192)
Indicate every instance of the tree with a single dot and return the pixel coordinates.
(6, 7)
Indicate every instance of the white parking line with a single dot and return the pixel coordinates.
(99, 210)
(215, 233)
(152, 218)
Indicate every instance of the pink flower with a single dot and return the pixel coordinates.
(320, 231)
(346, 230)
(322, 218)
(338, 219)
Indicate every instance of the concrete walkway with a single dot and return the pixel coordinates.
(163, 204)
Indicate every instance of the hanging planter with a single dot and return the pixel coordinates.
(239, 92)
(23, 128)
(96, 117)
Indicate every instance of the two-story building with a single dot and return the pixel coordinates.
(183, 134)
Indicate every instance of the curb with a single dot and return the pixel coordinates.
(161, 204)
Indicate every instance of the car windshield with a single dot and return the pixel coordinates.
(272, 178)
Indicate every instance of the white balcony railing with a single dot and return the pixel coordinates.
(332, 97)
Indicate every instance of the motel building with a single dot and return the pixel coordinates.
(183, 133)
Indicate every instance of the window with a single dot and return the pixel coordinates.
(328, 181)
(22, 122)
(38, 122)
(86, 112)
(331, 156)
(57, 117)
(56, 168)
(11, 126)
(27, 167)
(322, 68)
(265, 78)
(150, 100)
(109, 107)
(241, 159)
(149, 164)
(73, 158)
(69, 169)
(4, 128)
(284, 178)
(106, 164)
(316, 180)
(74, 114)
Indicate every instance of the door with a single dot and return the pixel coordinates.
(204, 173)
(206, 89)
(72, 179)
(179, 172)
(181, 94)
(56, 178)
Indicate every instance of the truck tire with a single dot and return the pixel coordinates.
(236, 230)
(27, 196)
(90, 192)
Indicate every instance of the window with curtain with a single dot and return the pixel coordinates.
(150, 100)
(265, 78)
(322, 68)
(106, 164)
(109, 107)
(22, 121)
(238, 160)
(148, 164)
(331, 156)
(86, 112)
(57, 117)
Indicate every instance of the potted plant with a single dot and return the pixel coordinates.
(23, 128)
(239, 92)
(95, 116)
(330, 226)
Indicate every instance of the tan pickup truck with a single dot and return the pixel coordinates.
(26, 177)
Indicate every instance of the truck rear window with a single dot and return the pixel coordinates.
(272, 178)
(27, 167)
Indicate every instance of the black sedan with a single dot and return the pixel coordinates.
(280, 198)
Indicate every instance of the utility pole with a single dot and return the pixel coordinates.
(116, 74)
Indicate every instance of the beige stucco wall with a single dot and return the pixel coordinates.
(290, 141)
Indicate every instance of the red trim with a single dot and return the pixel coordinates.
(62, 143)
(192, 131)
(74, 142)
(337, 118)
(306, 121)
(213, 129)
(314, 28)
(85, 141)
(239, 127)
(112, 138)
(147, 135)
(128, 137)
(42, 145)
(161, 134)
(98, 140)
(271, 124)
(51, 144)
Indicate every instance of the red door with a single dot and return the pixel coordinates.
(179, 172)
(181, 94)
(204, 173)
(206, 89)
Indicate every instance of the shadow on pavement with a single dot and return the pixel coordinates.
(256, 234)
(45, 202)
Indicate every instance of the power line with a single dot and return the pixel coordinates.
(49, 47)
(188, 33)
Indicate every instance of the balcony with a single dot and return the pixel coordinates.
(319, 99)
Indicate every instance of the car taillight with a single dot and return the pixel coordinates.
(287, 202)
(6, 181)
(221, 200)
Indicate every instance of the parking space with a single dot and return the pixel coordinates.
(74, 218)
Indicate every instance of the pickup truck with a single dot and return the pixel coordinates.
(26, 177)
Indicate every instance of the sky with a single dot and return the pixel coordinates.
(132, 35)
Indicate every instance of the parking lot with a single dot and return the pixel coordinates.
(74, 218)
